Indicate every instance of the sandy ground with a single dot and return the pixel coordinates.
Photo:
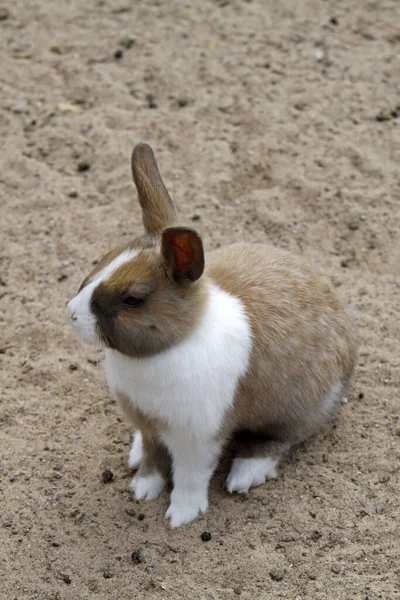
(272, 121)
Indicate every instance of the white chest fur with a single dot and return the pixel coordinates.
(190, 386)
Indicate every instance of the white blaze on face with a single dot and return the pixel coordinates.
(81, 317)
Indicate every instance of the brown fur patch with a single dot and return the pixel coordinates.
(303, 340)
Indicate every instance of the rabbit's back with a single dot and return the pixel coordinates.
(304, 341)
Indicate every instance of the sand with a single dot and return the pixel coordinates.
(272, 121)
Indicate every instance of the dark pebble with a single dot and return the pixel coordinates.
(4, 14)
(137, 557)
(62, 277)
(333, 21)
(276, 575)
(361, 395)
(83, 166)
(131, 512)
(311, 463)
(73, 194)
(118, 54)
(141, 516)
(73, 367)
(108, 574)
(107, 476)
(380, 510)
(66, 579)
(237, 591)
(55, 544)
(325, 458)
(206, 536)
(196, 217)
(151, 101)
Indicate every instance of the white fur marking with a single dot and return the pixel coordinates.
(147, 487)
(136, 451)
(191, 387)
(82, 319)
(250, 472)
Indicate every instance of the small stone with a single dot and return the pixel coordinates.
(335, 568)
(276, 575)
(151, 101)
(66, 578)
(237, 591)
(73, 194)
(353, 224)
(141, 517)
(4, 13)
(361, 395)
(319, 54)
(311, 463)
(345, 400)
(65, 263)
(73, 367)
(380, 510)
(206, 536)
(195, 217)
(384, 115)
(137, 557)
(62, 277)
(128, 41)
(55, 544)
(19, 109)
(118, 54)
(333, 21)
(107, 476)
(83, 166)
(150, 570)
(108, 574)
(131, 512)
(325, 458)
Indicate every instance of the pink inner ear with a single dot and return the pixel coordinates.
(181, 253)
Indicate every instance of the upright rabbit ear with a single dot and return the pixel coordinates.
(157, 206)
(183, 254)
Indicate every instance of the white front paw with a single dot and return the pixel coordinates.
(136, 451)
(250, 472)
(185, 507)
(147, 487)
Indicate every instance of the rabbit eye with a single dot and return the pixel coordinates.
(132, 301)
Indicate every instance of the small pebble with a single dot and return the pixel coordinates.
(206, 536)
(333, 21)
(83, 166)
(66, 579)
(118, 54)
(141, 516)
(73, 194)
(345, 400)
(196, 217)
(73, 367)
(131, 512)
(237, 591)
(19, 109)
(55, 544)
(4, 13)
(276, 575)
(319, 54)
(380, 510)
(108, 574)
(137, 557)
(65, 263)
(325, 458)
(128, 41)
(107, 476)
(311, 463)
(335, 569)
(361, 395)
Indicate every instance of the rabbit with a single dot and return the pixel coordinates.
(250, 342)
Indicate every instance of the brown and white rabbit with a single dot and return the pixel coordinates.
(251, 341)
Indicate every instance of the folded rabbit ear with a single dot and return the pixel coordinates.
(183, 254)
(158, 209)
